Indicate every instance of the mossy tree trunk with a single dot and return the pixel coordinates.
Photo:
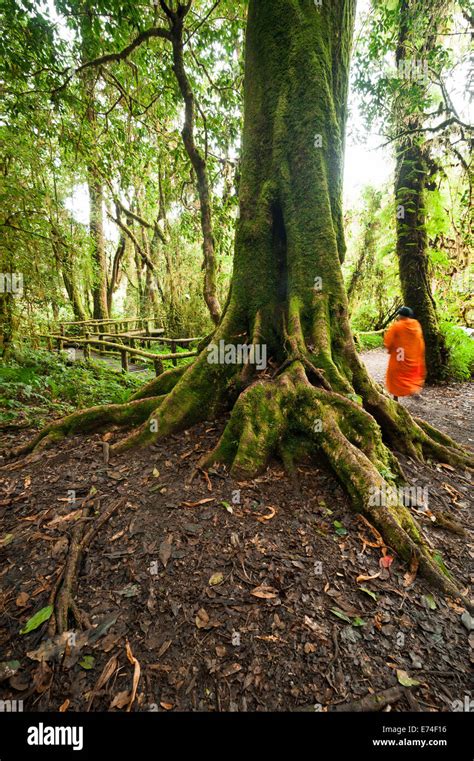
(288, 295)
(412, 174)
(6, 322)
(412, 252)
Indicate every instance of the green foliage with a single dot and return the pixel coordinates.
(370, 341)
(461, 349)
(36, 384)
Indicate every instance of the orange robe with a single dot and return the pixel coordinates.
(406, 370)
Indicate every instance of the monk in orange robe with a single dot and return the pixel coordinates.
(404, 341)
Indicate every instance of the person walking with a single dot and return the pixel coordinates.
(405, 344)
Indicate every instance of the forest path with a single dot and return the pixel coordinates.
(448, 407)
(113, 362)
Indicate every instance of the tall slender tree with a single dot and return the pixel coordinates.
(94, 181)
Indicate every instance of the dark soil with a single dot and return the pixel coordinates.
(227, 600)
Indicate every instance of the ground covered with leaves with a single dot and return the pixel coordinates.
(204, 593)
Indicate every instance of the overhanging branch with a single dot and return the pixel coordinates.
(120, 56)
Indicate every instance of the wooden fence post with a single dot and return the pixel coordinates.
(173, 351)
(124, 358)
(158, 366)
(87, 348)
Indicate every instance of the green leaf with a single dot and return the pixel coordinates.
(387, 474)
(227, 507)
(39, 618)
(355, 398)
(405, 680)
(358, 621)
(340, 614)
(87, 662)
(7, 539)
(429, 601)
(369, 592)
(216, 578)
(340, 528)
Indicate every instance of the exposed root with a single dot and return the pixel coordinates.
(63, 595)
(88, 421)
(290, 409)
(203, 392)
(302, 409)
(161, 385)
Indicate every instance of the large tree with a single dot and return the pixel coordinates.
(288, 295)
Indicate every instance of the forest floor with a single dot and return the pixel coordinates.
(258, 595)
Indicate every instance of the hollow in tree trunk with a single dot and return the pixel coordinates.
(288, 298)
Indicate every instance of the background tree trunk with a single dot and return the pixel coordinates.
(96, 227)
(94, 183)
(410, 185)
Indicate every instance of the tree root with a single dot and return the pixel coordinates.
(291, 409)
(62, 596)
(287, 416)
(161, 385)
(87, 421)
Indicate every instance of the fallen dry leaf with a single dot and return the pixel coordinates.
(63, 518)
(136, 673)
(22, 599)
(120, 700)
(202, 619)
(264, 592)
(166, 706)
(165, 549)
(64, 706)
(200, 502)
(164, 648)
(368, 578)
(271, 514)
(311, 624)
(109, 668)
(410, 575)
(232, 669)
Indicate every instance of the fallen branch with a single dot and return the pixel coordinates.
(63, 593)
(374, 702)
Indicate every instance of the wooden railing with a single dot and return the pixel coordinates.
(122, 343)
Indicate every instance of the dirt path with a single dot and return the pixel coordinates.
(242, 596)
(448, 407)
